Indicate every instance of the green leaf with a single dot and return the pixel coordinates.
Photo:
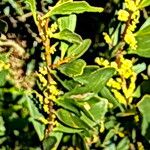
(67, 22)
(98, 110)
(65, 129)
(144, 108)
(68, 35)
(144, 3)
(124, 144)
(52, 141)
(105, 92)
(139, 68)
(32, 4)
(68, 104)
(77, 50)
(95, 81)
(70, 119)
(39, 128)
(35, 115)
(68, 8)
(87, 120)
(33, 110)
(74, 68)
(49, 142)
(143, 42)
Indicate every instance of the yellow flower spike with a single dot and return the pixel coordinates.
(39, 96)
(110, 82)
(43, 120)
(123, 15)
(43, 70)
(46, 100)
(114, 84)
(42, 79)
(130, 39)
(119, 80)
(54, 27)
(52, 97)
(131, 5)
(102, 61)
(119, 97)
(53, 89)
(114, 65)
(46, 109)
(135, 16)
(107, 38)
(105, 63)
(132, 26)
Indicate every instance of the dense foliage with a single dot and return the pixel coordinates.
(74, 75)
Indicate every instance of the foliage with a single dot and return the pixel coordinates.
(60, 89)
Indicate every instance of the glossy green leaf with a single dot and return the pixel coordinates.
(77, 50)
(95, 81)
(105, 92)
(98, 110)
(144, 108)
(144, 3)
(66, 129)
(33, 110)
(32, 4)
(52, 141)
(35, 115)
(68, 35)
(68, 8)
(87, 120)
(139, 68)
(67, 22)
(68, 104)
(39, 128)
(70, 119)
(74, 68)
(49, 142)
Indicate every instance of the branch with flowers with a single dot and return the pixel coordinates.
(67, 92)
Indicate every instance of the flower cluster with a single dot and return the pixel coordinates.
(123, 85)
(50, 91)
(130, 15)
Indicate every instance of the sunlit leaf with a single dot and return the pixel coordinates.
(68, 8)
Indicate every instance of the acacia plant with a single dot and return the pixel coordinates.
(51, 97)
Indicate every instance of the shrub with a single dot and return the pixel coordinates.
(61, 90)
